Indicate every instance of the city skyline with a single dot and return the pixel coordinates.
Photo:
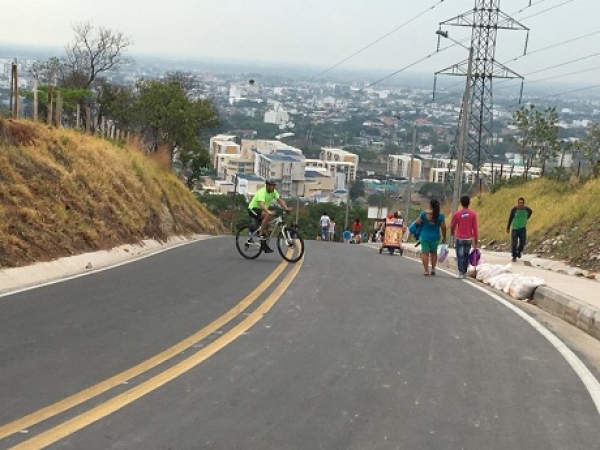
(320, 34)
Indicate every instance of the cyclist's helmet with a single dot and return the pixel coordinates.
(271, 181)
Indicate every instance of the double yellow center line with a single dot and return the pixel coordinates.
(77, 423)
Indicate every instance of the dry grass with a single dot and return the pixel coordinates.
(565, 223)
(63, 193)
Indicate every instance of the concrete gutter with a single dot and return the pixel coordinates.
(576, 301)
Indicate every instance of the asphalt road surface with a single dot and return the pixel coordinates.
(197, 348)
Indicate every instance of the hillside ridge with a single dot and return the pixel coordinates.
(565, 224)
(64, 193)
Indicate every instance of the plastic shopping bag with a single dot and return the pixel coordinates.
(443, 253)
(475, 257)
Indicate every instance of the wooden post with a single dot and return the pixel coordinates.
(88, 119)
(35, 100)
(58, 110)
(78, 117)
(15, 90)
(49, 105)
(103, 127)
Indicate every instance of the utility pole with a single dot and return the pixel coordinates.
(408, 194)
(35, 99)
(14, 90)
(462, 135)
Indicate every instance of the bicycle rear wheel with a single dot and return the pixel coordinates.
(248, 243)
(290, 245)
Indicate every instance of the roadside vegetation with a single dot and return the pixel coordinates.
(64, 193)
(565, 224)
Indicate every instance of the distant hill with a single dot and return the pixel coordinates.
(64, 193)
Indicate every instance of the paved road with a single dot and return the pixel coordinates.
(360, 351)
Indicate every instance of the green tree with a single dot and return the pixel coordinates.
(116, 102)
(166, 115)
(357, 189)
(537, 135)
(70, 97)
(592, 149)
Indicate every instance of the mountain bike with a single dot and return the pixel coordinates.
(289, 242)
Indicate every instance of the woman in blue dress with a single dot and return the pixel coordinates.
(432, 225)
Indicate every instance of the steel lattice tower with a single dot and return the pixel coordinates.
(485, 19)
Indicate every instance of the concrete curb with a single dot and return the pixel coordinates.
(569, 309)
(18, 278)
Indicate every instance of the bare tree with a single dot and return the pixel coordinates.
(93, 51)
(48, 72)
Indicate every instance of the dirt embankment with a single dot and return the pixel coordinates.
(64, 193)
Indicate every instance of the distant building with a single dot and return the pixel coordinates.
(221, 147)
(286, 169)
(440, 175)
(339, 161)
(400, 165)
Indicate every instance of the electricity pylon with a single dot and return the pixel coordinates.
(485, 19)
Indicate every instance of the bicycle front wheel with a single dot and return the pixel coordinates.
(248, 243)
(290, 245)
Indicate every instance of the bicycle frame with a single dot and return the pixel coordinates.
(274, 225)
(289, 241)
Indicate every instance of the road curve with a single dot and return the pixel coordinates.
(355, 351)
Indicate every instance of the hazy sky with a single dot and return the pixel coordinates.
(316, 32)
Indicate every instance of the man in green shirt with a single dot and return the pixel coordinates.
(518, 219)
(259, 210)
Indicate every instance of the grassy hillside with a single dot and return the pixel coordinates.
(565, 223)
(64, 193)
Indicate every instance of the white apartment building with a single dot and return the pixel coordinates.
(266, 147)
(278, 116)
(331, 154)
(286, 168)
(339, 161)
(318, 183)
(508, 171)
(441, 175)
(400, 165)
(248, 185)
(222, 147)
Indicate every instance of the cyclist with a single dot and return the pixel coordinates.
(258, 209)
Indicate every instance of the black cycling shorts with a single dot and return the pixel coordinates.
(255, 213)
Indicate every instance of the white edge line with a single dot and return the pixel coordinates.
(584, 374)
(588, 379)
(102, 269)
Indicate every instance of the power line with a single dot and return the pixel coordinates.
(409, 66)
(564, 64)
(527, 7)
(376, 41)
(558, 95)
(556, 45)
(548, 9)
(556, 76)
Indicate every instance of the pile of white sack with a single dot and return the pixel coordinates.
(500, 277)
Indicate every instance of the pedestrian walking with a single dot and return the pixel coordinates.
(324, 223)
(465, 230)
(356, 230)
(432, 225)
(519, 215)
(331, 229)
